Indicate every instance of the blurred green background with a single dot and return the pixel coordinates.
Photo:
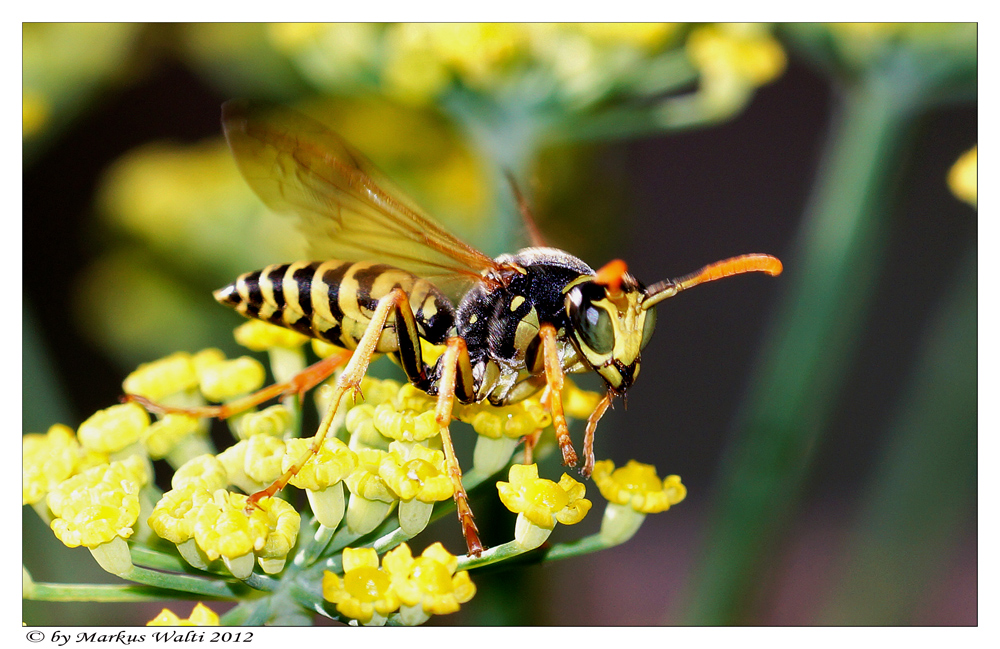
(823, 421)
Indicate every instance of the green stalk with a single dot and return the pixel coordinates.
(45, 592)
(830, 276)
(922, 498)
(185, 583)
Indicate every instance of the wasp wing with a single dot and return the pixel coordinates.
(347, 208)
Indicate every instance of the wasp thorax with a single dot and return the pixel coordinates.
(609, 327)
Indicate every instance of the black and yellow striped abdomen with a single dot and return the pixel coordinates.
(334, 300)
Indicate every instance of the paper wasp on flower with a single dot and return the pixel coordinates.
(386, 282)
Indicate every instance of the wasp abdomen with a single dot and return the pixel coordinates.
(334, 300)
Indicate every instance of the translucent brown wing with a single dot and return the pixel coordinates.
(347, 208)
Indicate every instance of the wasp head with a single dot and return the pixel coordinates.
(609, 324)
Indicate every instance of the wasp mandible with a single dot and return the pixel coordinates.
(387, 279)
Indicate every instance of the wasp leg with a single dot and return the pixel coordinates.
(349, 380)
(530, 441)
(588, 436)
(298, 385)
(456, 373)
(554, 376)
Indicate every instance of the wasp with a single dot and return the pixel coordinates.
(389, 276)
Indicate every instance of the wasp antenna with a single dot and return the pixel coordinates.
(534, 234)
(753, 263)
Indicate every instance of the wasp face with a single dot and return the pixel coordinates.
(609, 327)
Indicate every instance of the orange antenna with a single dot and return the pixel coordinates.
(611, 275)
(753, 263)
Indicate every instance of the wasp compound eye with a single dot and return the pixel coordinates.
(591, 319)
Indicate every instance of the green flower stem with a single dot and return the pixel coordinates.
(185, 583)
(923, 495)
(258, 581)
(150, 558)
(493, 555)
(586, 545)
(46, 592)
(830, 277)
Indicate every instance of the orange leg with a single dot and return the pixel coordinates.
(554, 376)
(348, 381)
(445, 403)
(529, 446)
(588, 437)
(299, 384)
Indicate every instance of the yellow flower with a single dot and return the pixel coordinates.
(263, 458)
(97, 505)
(360, 423)
(428, 583)
(378, 391)
(321, 476)
(254, 463)
(632, 492)
(577, 403)
(275, 421)
(416, 473)
(201, 615)
(163, 377)
(540, 503)
(283, 528)
(365, 593)
(205, 470)
(329, 466)
(405, 425)
(230, 379)
(174, 516)
(371, 498)
(259, 336)
(164, 435)
(418, 476)
(113, 429)
(35, 111)
(963, 177)
(98, 509)
(637, 485)
(500, 429)
(46, 460)
(739, 50)
(205, 359)
(223, 529)
(513, 421)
